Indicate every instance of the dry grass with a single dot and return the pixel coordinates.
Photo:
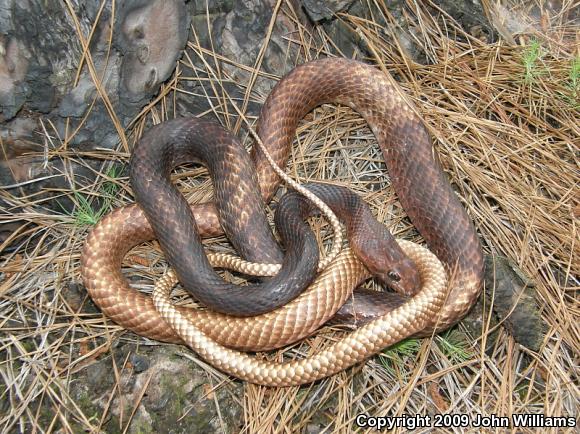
(505, 126)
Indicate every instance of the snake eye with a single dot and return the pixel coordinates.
(394, 276)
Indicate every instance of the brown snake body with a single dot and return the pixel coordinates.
(418, 180)
(236, 194)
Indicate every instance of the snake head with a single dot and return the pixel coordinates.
(388, 263)
(402, 276)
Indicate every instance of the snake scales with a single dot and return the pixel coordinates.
(417, 178)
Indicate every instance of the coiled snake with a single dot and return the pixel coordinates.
(419, 182)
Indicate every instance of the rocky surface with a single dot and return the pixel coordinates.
(164, 391)
(42, 52)
(46, 74)
(325, 10)
(48, 96)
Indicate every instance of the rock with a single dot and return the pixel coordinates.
(98, 377)
(322, 10)
(151, 35)
(470, 16)
(171, 393)
(74, 293)
(514, 301)
(237, 32)
(48, 51)
(140, 363)
(40, 52)
(13, 69)
(240, 35)
(511, 296)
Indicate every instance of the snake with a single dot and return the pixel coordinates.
(367, 340)
(331, 289)
(420, 183)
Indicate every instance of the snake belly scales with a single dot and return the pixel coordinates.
(419, 182)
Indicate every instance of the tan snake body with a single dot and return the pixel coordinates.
(369, 339)
(417, 178)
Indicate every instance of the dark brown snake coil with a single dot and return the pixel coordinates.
(419, 182)
(244, 221)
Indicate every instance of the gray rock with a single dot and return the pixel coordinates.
(175, 399)
(151, 35)
(40, 52)
(140, 363)
(13, 68)
(322, 10)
